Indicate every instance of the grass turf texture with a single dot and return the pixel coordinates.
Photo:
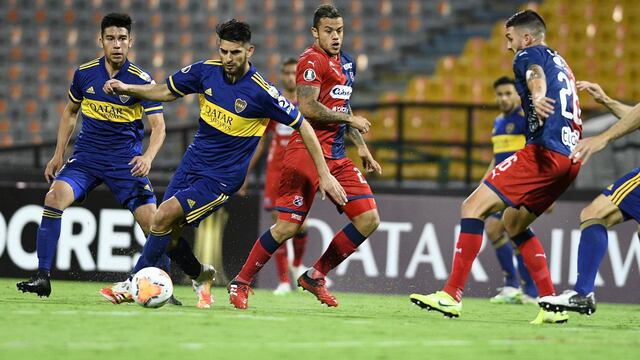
(76, 323)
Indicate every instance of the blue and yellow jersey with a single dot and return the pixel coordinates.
(233, 117)
(112, 125)
(509, 134)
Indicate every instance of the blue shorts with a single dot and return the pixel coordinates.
(198, 195)
(625, 194)
(84, 175)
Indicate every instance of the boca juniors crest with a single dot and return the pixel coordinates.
(240, 105)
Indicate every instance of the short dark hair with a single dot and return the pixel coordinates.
(529, 19)
(325, 11)
(117, 20)
(235, 31)
(503, 80)
(289, 61)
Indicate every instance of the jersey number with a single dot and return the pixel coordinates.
(362, 180)
(566, 92)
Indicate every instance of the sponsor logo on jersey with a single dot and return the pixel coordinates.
(296, 217)
(570, 137)
(273, 92)
(240, 105)
(90, 90)
(148, 187)
(341, 92)
(185, 69)
(342, 109)
(144, 76)
(509, 128)
(191, 203)
(309, 75)
(285, 104)
(298, 200)
(124, 98)
(208, 92)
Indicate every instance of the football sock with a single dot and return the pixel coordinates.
(47, 238)
(261, 252)
(528, 285)
(155, 246)
(184, 257)
(535, 260)
(465, 252)
(164, 263)
(299, 245)
(282, 264)
(504, 252)
(343, 244)
(593, 246)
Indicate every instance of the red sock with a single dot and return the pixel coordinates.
(536, 261)
(343, 244)
(282, 264)
(299, 245)
(261, 252)
(465, 252)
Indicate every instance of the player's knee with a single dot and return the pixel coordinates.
(163, 219)
(55, 199)
(367, 223)
(470, 209)
(283, 230)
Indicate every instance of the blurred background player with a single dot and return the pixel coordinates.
(108, 148)
(508, 136)
(325, 78)
(528, 182)
(235, 105)
(618, 202)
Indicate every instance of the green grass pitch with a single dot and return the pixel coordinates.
(76, 323)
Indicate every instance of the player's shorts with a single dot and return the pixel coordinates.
(299, 183)
(533, 177)
(198, 195)
(84, 175)
(625, 194)
(271, 184)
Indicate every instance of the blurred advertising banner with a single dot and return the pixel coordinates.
(412, 250)
(99, 240)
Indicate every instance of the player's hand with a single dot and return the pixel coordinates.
(141, 166)
(593, 89)
(114, 87)
(243, 189)
(368, 162)
(359, 123)
(53, 166)
(587, 147)
(543, 106)
(330, 186)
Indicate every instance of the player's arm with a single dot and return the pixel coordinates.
(151, 92)
(369, 163)
(589, 146)
(142, 164)
(328, 184)
(537, 84)
(616, 107)
(314, 111)
(65, 130)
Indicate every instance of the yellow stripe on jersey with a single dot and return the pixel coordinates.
(508, 143)
(623, 190)
(260, 81)
(195, 214)
(132, 66)
(106, 111)
(172, 85)
(73, 98)
(153, 108)
(296, 120)
(213, 62)
(91, 63)
(230, 123)
(134, 72)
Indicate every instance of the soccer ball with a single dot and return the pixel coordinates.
(151, 287)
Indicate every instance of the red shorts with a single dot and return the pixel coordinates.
(299, 184)
(271, 184)
(533, 177)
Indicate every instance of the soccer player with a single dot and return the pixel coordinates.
(618, 202)
(108, 148)
(508, 136)
(236, 104)
(325, 77)
(528, 182)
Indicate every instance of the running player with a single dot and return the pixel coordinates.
(508, 136)
(528, 182)
(108, 148)
(618, 202)
(235, 105)
(325, 77)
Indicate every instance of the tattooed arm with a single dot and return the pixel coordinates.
(316, 112)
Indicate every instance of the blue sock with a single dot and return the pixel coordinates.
(47, 238)
(593, 246)
(164, 263)
(505, 258)
(153, 250)
(528, 285)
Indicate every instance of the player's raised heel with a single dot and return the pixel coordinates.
(318, 288)
(37, 284)
(439, 301)
(239, 294)
(202, 286)
(569, 300)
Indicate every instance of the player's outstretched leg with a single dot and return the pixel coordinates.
(282, 270)
(299, 246)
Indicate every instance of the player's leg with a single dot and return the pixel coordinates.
(299, 246)
(510, 292)
(281, 259)
(529, 289)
